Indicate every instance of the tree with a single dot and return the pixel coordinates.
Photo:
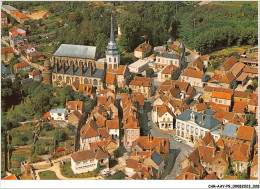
(60, 135)
(101, 43)
(251, 119)
(254, 83)
(149, 72)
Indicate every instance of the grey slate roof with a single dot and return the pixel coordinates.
(59, 110)
(26, 80)
(229, 130)
(97, 73)
(173, 56)
(8, 7)
(182, 46)
(209, 112)
(157, 158)
(112, 48)
(209, 122)
(76, 51)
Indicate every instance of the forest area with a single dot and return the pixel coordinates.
(205, 28)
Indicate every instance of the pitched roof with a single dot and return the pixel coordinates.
(230, 130)
(221, 95)
(169, 69)
(157, 158)
(3, 15)
(35, 72)
(144, 46)
(245, 133)
(238, 67)
(218, 89)
(227, 65)
(192, 73)
(228, 78)
(162, 109)
(208, 122)
(121, 70)
(197, 63)
(77, 114)
(242, 94)
(10, 177)
(21, 65)
(200, 106)
(18, 14)
(211, 176)
(103, 132)
(138, 97)
(250, 70)
(76, 51)
(74, 105)
(134, 164)
(112, 124)
(110, 78)
(89, 154)
(89, 130)
(6, 50)
(142, 81)
(240, 152)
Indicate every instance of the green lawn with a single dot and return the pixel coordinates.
(48, 175)
(234, 3)
(67, 172)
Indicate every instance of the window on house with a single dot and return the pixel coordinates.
(220, 101)
(158, 59)
(192, 129)
(196, 131)
(109, 59)
(187, 128)
(114, 59)
(182, 126)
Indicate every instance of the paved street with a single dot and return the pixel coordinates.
(177, 150)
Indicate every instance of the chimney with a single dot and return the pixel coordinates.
(77, 107)
(66, 101)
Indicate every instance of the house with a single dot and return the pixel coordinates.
(88, 160)
(131, 130)
(246, 135)
(243, 78)
(21, 18)
(237, 69)
(22, 66)
(139, 99)
(58, 114)
(190, 125)
(250, 62)
(240, 157)
(72, 106)
(109, 145)
(88, 134)
(7, 53)
(229, 133)
(15, 30)
(4, 20)
(35, 75)
(226, 65)
(74, 118)
(139, 66)
(208, 90)
(169, 72)
(123, 76)
(197, 64)
(164, 117)
(143, 50)
(228, 81)
(113, 128)
(221, 99)
(165, 59)
(199, 107)
(111, 81)
(143, 85)
(194, 77)
(10, 177)
(254, 164)
(252, 72)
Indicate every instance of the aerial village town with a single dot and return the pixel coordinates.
(165, 115)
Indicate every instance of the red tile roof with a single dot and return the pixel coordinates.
(35, 72)
(18, 14)
(110, 78)
(21, 65)
(218, 89)
(245, 133)
(142, 81)
(221, 95)
(238, 67)
(192, 73)
(228, 78)
(13, 29)
(143, 47)
(74, 105)
(240, 152)
(169, 69)
(6, 50)
(201, 106)
(227, 65)
(3, 15)
(121, 70)
(250, 70)
(10, 177)
(112, 124)
(212, 176)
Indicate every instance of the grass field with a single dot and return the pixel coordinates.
(67, 172)
(48, 175)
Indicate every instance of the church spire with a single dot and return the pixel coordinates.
(112, 35)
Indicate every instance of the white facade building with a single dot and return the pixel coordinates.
(139, 66)
(58, 114)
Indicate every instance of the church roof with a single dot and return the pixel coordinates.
(76, 51)
(112, 48)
